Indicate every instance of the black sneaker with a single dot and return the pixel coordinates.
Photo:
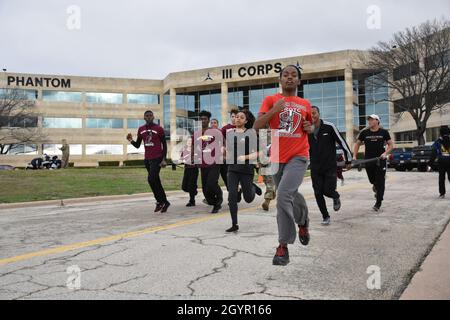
(191, 204)
(281, 257)
(442, 196)
(165, 207)
(303, 235)
(234, 228)
(216, 208)
(337, 204)
(258, 190)
(377, 207)
(159, 206)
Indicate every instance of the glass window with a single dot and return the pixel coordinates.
(22, 149)
(135, 123)
(104, 149)
(142, 98)
(19, 94)
(62, 123)
(53, 149)
(166, 107)
(330, 89)
(94, 123)
(132, 150)
(19, 122)
(96, 97)
(61, 96)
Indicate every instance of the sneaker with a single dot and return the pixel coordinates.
(442, 196)
(158, 207)
(326, 221)
(239, 196)
(165, 207)
(216, 208)
(191, 204)
(281, 257)
(258, 190)
(234, 228)
(377, 207)
(303, 235)
(265, 205)
(337, 204)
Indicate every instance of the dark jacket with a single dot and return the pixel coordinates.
(323, 148)
(440, 152)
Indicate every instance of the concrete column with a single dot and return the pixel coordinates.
(225, 111)
(173, 118)
(391, 110)
(348, 74)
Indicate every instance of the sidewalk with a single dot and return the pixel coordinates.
(432, 281)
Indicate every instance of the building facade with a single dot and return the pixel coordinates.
(95, 114)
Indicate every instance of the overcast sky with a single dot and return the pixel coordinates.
(149, 39)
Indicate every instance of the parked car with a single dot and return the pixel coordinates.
(400, 159)
(421, 155)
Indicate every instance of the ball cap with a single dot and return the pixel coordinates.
(374, 116)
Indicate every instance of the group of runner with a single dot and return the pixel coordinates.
(297, 137)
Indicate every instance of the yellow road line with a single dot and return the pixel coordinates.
(133, 234)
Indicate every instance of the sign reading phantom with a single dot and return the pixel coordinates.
(38, 82)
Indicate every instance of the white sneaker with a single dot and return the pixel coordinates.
(326, 222)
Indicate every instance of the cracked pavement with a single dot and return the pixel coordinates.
(200, 261)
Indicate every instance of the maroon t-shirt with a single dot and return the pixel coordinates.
(225, 129)
(152, 137)
(201, 145)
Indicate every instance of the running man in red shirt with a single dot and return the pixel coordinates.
(289, 118)
(155, 156)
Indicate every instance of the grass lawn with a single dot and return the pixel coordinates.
(24, 186)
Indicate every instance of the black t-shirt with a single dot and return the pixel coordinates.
(241, 145)
(374, 142)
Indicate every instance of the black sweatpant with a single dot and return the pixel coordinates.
(224, 174)
(210, 184)
(444, 168)
(189, 183)
(153, 168)
(248, 191)
(377, 177)
(324, 185)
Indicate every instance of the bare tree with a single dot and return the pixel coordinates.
(18, 120)
(415, 65)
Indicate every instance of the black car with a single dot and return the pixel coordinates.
(421, 156)
(400, 159)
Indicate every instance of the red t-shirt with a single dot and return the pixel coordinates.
(152, 137)
(288, 138)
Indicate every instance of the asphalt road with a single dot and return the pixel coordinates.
(120, 249)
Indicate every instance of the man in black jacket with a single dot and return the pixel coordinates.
(322, 142)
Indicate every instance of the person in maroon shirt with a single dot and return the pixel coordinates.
(230, 126)
(155, 157)
(206, 157)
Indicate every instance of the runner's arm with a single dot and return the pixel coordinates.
(341, 141)
(358, 144)
(389, 149)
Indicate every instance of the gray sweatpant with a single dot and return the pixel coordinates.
(291, 205)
